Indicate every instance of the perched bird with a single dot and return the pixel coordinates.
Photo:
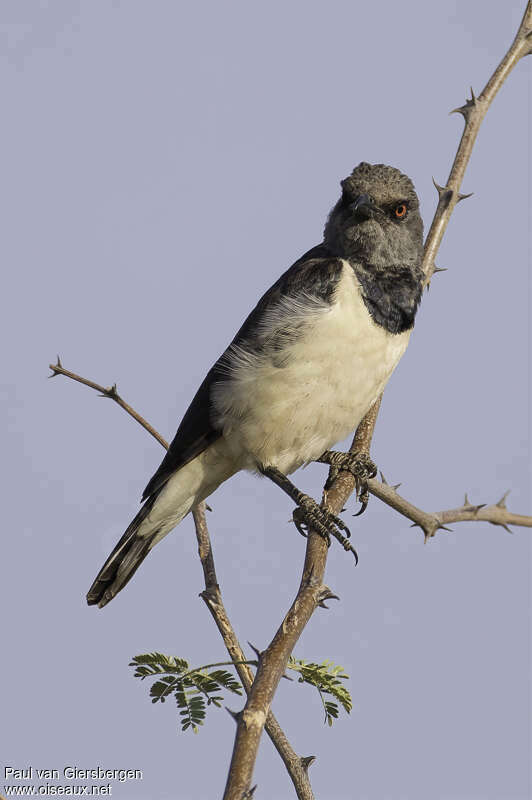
(300, 374)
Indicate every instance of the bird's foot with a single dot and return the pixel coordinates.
(309, 514)
(359, 465)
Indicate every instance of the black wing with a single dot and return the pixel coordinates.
(316, 274)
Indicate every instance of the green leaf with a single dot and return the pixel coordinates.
(161, 689)
(157, 663)
(194, 690)
(327, 679)
(192, 710)
(331, 711)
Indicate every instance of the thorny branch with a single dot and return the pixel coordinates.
(111, 393)
(473, 111)
(430, 522)
(276, 655)
(312, 593)
(297, 767)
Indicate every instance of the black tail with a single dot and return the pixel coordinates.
(124, 561)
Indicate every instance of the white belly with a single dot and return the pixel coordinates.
(287, 415)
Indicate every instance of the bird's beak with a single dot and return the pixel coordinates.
(364, 206)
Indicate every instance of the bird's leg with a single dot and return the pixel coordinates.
(309, 514)
(358, 464)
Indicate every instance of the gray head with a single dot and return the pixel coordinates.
(377, 219)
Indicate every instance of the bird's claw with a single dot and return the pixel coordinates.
(363, 498)
(310, 515)
(362, 468)
(365, 470)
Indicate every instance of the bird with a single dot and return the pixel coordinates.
(301, 372)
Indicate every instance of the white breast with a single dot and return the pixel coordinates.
(287, 414)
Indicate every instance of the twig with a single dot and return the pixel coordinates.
(296, 766)
(432, 522)
(111, 393)
(272, 665)
(473, 112)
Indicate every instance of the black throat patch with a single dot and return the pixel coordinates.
(391, 295)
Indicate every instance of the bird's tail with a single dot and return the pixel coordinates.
(124, 560)
(160, 513)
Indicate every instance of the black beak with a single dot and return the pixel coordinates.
(364, 206)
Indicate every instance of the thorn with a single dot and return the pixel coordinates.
(110, 392)
(472, 508)
(435, 269)
(257, 652)
(321, 603)
(54, 372)
(444, 194)
(465, 110)
(442, 190)
(287, 677)
(234, 714)
(461, 196)
(209, 595)
(324, 595)
(250, 792)
(429, 532)
(468, 505)
(394, 486)
(502, 525)
(207, 507)
(444, 528)
(307, 761)
(502, 501)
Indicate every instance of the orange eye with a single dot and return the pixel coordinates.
(400, 211)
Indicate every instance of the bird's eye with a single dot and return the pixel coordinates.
(400, 211)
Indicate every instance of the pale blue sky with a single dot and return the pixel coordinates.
(162, 164)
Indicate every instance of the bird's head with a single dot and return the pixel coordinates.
(377, 219)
